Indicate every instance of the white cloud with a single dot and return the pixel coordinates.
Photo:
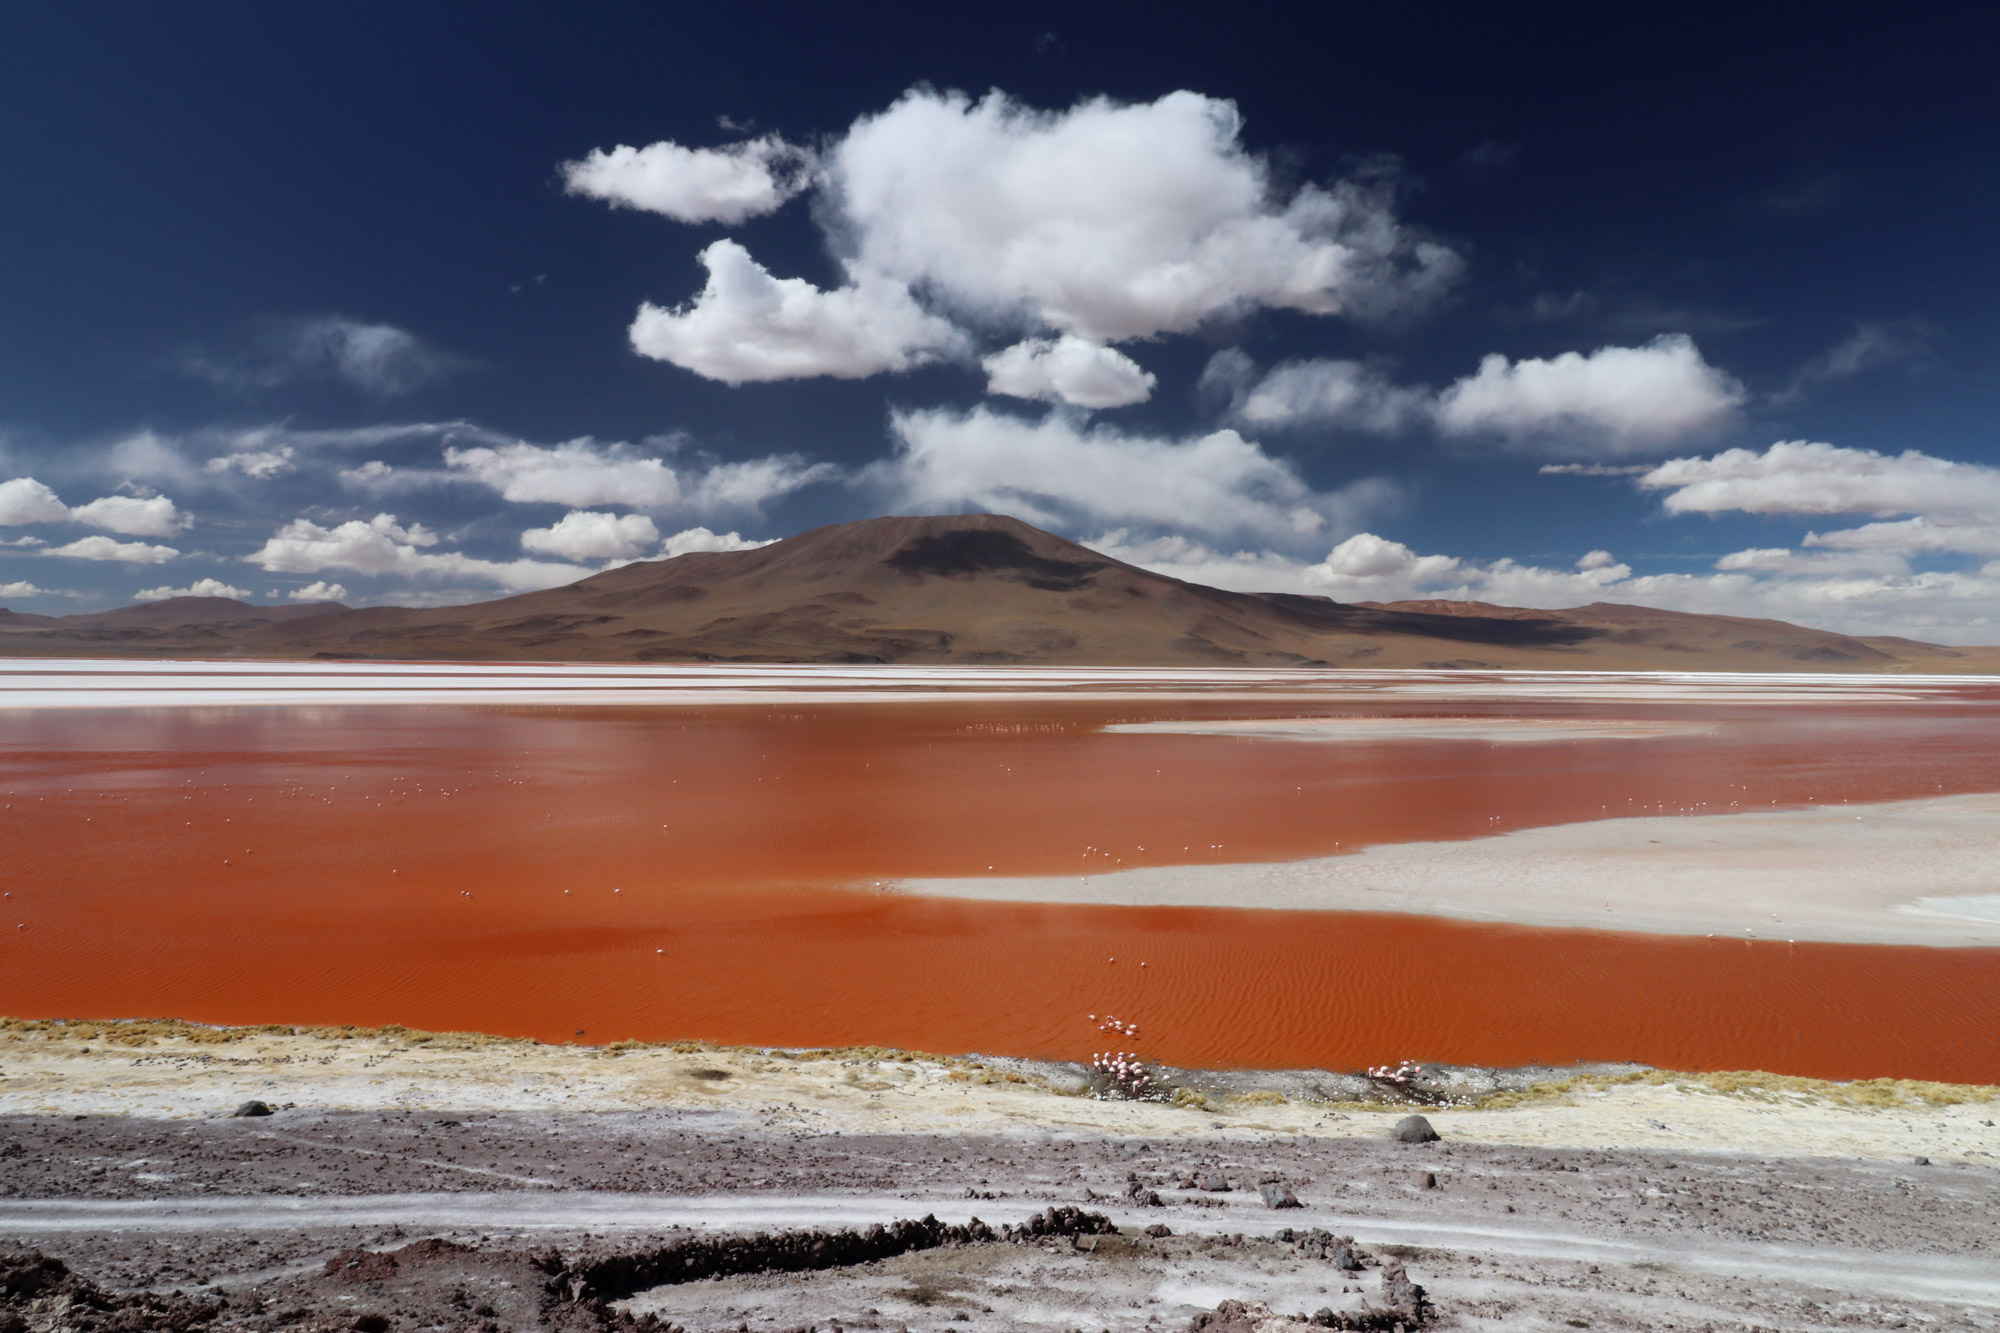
(1802, 477)
(1070, 370)
(578, 473)
(24, 542)
(257, 464)
(746, 325)
(319, 591)
(1052, 471)
(149, 456)
(381, 545)
(1615, 400)
(701, 539)
(23, 588)
(1330, 393)
(1108, 220)
(1593, 469)
(729, 184)
(152, 516)
(199, 588)
(379, 359)
(105, 548)
(584, 534)
(583, 473)
(25, 500)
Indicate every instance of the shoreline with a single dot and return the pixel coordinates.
(408, 1179)
(173, 1070)
(1899, 872)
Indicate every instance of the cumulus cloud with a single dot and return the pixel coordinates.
(690, 540)
(106, 548)
(23, 588)
(1330, 393)
(1803, 477)
(1053, 471)
(383, 546)
(199, 588)
(319, 590)
(584, 534)
(1952, 507)
(746, 325)
(1932, 575)
(381, 360)
(584, 473)
(1370, 567)
(1069, 370)
(150, 516)
(25, 500)
(1109, 220)
(1615, 400)
(727, 184)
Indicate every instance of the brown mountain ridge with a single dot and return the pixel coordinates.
(981, 588)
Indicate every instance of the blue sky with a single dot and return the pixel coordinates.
(1536, 304)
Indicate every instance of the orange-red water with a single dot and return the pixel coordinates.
(706, 873)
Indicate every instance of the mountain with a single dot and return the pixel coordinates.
(967, 589)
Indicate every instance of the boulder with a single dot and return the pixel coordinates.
(251, 1108)
(1279, 1196)
(1413, 1129)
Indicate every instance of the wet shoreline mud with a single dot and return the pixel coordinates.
(449, 1180)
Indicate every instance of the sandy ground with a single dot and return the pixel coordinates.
(1623, 1199)
(1903, 872)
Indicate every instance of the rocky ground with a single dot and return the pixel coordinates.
(703, 1198)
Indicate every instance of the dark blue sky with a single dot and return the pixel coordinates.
(260, 232)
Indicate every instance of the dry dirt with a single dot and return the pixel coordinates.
(413, 1181)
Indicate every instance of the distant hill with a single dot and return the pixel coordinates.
(967, 589)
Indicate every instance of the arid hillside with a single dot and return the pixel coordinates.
(967, 589)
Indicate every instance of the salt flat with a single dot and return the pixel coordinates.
(1895, 872)
(42, 683)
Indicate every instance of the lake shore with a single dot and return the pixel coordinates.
(438, 1180)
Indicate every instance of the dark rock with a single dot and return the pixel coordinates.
(370, 1323)
(251, 1108)
(1279, 1196)
(1413, 1129)
(1135, 1147)
(1923, 1161)
(1403, 1295)
(1215, 1184)
(1430, 1180)
(1159, 1231)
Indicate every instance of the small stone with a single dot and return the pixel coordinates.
(1923, 1161)
(1413, 1129)
(1215, 1184)
(1430, 1180)
(1159, 1231)
(250, 1108)
(1279, 1196)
